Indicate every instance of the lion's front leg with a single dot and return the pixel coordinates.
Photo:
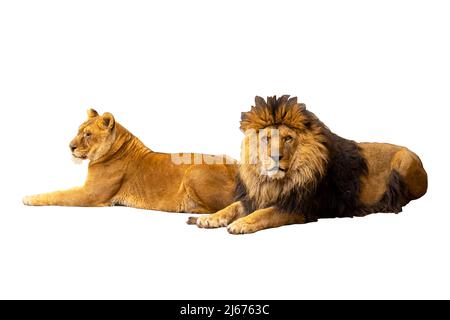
(221, 218)
(264, 219)
(76, 197)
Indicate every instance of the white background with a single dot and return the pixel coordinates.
(177, 74)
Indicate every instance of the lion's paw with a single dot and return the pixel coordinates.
(241, 227)
(210, 222)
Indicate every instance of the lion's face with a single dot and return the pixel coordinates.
(285, 146)
(95, 136)
(271, 150)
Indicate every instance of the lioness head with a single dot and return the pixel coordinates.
(282, 141)
(95, 136)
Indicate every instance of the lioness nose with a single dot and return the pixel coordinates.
(72, 147)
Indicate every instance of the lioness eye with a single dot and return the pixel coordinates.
(87, 134)
(288, 139)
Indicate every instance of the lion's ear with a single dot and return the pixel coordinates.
(92, 113)
(107, 121)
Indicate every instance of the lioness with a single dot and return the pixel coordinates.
(313, 172)
(123, 171)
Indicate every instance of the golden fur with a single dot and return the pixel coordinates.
(316, 171)
(123, 171)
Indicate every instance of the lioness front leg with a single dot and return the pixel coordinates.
(221, 218)
(264, 219)
(76, 197)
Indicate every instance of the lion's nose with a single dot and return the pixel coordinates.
(72, 147)
(277, 157)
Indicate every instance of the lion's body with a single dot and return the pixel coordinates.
(319, 175)
(130, 174)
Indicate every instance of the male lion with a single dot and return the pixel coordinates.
(122, 171)
(313, 174)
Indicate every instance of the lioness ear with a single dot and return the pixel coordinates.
(92, 113)
(107, 121)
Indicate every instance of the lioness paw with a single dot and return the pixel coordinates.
(30, 201)
(241, 227)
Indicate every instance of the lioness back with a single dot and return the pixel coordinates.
(158, 182)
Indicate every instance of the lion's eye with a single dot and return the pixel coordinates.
(288, 139)
(87, 134)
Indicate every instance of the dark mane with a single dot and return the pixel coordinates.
(337, 193)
